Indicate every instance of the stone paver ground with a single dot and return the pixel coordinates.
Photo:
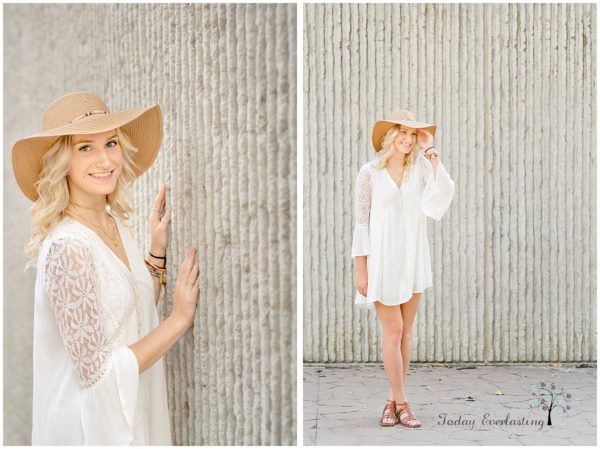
(343, 403)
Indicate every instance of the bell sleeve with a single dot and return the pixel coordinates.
(438, 189)
(107, 376)
(362, 209)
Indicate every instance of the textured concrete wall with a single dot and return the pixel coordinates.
(512, 89)
(225, 77)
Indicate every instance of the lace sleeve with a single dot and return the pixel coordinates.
(362, 210)
(362, 196)
(70, 281)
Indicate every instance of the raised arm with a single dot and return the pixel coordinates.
(438, 189)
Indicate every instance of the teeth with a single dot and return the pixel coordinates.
(101, 175)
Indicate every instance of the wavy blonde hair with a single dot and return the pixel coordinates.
(53, 190)
(388, 149)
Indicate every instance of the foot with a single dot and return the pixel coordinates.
(405, 415)
(388, 417)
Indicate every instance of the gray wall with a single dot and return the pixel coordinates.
(225, 77)
(512, 89)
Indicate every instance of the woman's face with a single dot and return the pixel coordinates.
(406, 139)
(96, 163)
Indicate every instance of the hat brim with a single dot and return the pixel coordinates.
(381, 127)
(143, 126)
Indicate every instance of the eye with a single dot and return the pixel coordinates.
(112, 143)
(85, 148)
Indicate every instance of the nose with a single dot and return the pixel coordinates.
(103, 160)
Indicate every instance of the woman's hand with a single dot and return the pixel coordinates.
(187, 288)
(362, 281)
(425, 139)
(159, 236)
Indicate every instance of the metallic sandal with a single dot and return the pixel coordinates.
(389, 417)
(405, 416)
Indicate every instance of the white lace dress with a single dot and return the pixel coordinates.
(391, 228)
(89, 308)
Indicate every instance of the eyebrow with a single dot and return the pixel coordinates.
(90, 141)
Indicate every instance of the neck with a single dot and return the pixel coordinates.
(89, 207)
(397, 158)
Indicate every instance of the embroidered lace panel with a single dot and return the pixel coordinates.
(70, 281)
(362, 196)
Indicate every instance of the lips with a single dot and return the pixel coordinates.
(102, 176)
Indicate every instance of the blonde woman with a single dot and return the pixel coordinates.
(394, 195)
(98, 369)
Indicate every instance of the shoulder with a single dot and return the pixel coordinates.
(66, 239)
(369, 168)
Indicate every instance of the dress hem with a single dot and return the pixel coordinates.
(370, 304)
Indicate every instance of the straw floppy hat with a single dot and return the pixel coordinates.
(405, 118)
(86, 113)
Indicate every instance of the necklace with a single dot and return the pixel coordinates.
(88, 208)
(113, 239)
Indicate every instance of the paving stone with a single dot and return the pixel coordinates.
(344, 405)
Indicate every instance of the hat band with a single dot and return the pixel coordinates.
(96, 111)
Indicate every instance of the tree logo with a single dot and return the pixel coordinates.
(548, 398)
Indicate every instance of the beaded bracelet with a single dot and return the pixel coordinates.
(157, 272)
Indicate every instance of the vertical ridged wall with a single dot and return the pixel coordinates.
(512, 89)
(225, 77)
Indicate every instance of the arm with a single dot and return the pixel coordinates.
(438, 188)
(187, 287)
(361, 240)
(161, 264)
(158, 342)
(159, 236)
(107, 376)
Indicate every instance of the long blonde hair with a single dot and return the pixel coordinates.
(53, 190)
(388, 149)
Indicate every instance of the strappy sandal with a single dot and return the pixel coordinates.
(405, 416)
(389, 417)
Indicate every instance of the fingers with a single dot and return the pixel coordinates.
(159, 202)
(186, 265)
(193, 275)
(166, 218)
(196, 286)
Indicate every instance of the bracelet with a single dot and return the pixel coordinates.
(157, 257)
(428, 149)
(433, 155)
(157, 272)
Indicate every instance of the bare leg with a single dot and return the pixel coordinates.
(409, 310)
(391, 324)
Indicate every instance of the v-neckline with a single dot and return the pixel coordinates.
(398, 186)
(128, 269)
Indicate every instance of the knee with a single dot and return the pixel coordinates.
(394, 335)
(407, 336)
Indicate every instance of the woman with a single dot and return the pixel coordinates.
(394, 195)
(98, 371)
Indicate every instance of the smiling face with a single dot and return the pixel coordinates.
(406, 139)
(96, 163)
